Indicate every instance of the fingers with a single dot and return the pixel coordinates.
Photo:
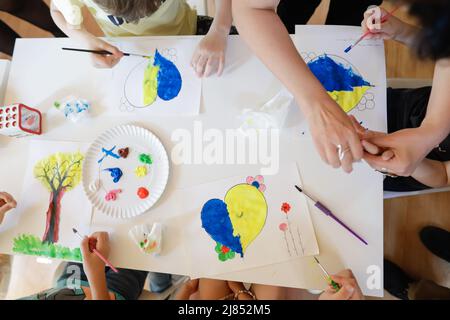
(85, 247)
(345, 293)
(332, 156)
(355, 147)
(221, 65)
(8, 199)
(370, 147)
(211, 66)
(378, 163)
(358, 127)
(200, 66)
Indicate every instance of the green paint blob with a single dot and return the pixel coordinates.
(145, 158)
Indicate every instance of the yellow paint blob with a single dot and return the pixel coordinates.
(247, 208)
(141, 171)
(150, 84)
(348, 100)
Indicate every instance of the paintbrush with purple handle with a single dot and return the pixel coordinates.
(328, 212)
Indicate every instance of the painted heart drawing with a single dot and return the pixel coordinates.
(235, 222)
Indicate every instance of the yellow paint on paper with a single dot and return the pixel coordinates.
(247, 208)
(150, 84)
(348, 100)
(141, 171)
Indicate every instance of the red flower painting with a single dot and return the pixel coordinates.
(285, 207)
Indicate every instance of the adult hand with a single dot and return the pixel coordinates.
(209, 56)
(331, 127)
(349, 288)
(103, 61)
(398, 153)
(93, 265)
(7, 203)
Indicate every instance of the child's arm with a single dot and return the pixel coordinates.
(393, 28)
(93, 266)
(86, 31)
(259, 25)
(209, 57)
(433, 173)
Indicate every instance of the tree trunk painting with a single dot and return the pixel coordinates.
(51, 234)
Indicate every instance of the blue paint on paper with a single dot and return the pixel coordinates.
(216, 222)
(116, 174)
(108, 153)
(334, 76)
(169, 78)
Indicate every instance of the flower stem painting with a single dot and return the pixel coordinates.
(238, 220)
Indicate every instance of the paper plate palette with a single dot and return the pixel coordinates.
(103, 156)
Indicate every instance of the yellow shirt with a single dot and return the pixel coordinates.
(173, 17)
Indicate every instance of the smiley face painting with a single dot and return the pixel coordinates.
(235, 222)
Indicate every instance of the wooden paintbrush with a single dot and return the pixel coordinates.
(106, 53)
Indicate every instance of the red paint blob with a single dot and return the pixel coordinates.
(283, 226)
(225, 249)
(285, 207)
(142, 193)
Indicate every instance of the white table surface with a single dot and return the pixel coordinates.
(356, 198)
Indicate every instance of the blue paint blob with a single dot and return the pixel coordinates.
(255, 184)
(169, 78)
(216, 222)
(116, 174)
(334, 76)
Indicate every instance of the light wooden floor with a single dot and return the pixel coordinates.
(404, 217)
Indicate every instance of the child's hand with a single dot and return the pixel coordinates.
(387, 30)
(103, 61)
(349, 288)
(7, 203)
(209, 57)
(93, 265)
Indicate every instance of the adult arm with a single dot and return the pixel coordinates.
(263, 31)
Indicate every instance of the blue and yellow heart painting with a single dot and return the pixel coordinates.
(340, 79)
(237, 220)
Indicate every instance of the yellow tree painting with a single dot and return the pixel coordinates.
(59, 173)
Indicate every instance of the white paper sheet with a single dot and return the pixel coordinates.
(271, 245)
(366, 59)
(30, 216)
(128, 76)
(34, 83)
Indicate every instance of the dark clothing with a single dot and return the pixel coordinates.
(406, 108)
(293, 12)
(35, 12)
(125, 285)
(205, 22)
